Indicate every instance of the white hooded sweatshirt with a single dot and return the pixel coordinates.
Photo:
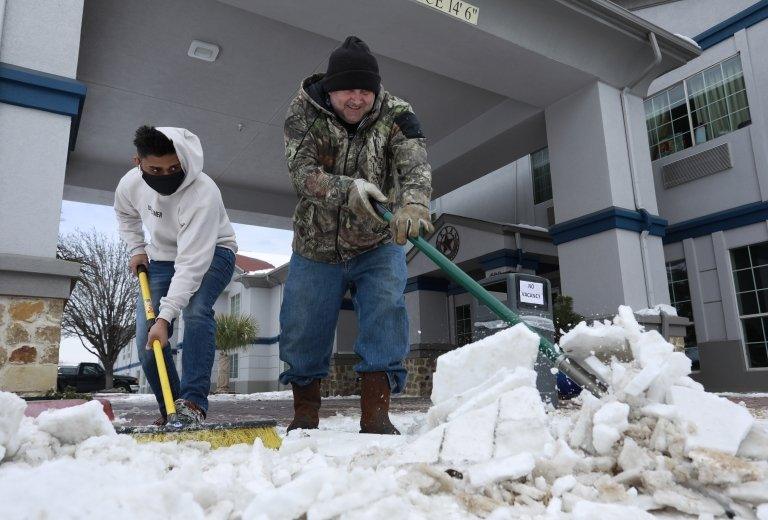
(184, 227)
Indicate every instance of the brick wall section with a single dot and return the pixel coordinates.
(30, 332)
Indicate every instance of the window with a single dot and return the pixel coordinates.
(750, 276)
(680, 297)
(542, 181)
(234, 305)
(705, 106)
(92, 370)
(463, 325)
(233, 366)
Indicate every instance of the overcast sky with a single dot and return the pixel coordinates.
(270, 245)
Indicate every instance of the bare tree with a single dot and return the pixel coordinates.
(102, 309)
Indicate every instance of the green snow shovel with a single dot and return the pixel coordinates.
(559, 359)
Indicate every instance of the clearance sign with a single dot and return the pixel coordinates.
(456, 8)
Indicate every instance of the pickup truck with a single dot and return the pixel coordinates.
(90, 377)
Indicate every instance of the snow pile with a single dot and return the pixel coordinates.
(488, 448)
(76, 424)
(605, 338)
(12, 409)
(657, 441)
(656, 310)
(688, 39)
(321, 475)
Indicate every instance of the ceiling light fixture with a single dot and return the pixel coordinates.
(203, 50)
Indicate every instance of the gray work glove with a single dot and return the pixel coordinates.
(407, 222)
(359, 198)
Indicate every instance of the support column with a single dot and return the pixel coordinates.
(607, 231)
(40, 106)
(429, 335)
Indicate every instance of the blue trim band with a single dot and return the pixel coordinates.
(720, 221)
(126, 367)
(747, 18)
(33, 89)
(455, 290)
(426, 283)
(606, 219)
(347, 305)
(256, 341)
(508, 258)
(492, 260)
(266, 341)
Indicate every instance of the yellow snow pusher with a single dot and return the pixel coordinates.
(217, 434)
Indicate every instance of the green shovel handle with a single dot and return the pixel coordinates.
(568, 366)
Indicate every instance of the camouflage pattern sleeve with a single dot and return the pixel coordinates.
(409, 156)
(309, 178)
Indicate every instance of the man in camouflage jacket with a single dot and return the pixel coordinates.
(347, 141)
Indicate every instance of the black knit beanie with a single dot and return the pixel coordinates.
(352, 66)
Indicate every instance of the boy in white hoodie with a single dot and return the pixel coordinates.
(190, 258)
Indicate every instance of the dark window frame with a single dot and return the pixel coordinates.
(541, 176)
(679, 287)
(234, 304)
(463, 327)
(752, 302)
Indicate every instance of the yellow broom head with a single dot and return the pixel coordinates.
(217, 434)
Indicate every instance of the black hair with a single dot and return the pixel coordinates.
(151, 141)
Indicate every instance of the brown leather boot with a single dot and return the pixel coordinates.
(306, 405)
(374, 404)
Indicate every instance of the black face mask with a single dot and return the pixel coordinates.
(164, 184)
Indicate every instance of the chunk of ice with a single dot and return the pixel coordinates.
(469, 366)
(11, 413)
(709, 421)
(499, 469)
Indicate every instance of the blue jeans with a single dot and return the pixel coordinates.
(199, 343)
(313, 295)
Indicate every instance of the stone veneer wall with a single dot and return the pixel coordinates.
(342, 378)
(420, 371)
(30, 332)
(420, 363)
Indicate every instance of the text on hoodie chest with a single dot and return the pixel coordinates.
(156, 214)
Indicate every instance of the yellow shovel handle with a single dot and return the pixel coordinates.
(162, 371)
(157, 348)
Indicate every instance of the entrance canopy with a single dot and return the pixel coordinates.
(479, 90)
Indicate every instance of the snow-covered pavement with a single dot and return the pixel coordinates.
(141, 409)
(656, 446)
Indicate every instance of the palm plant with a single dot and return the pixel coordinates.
(232, 333)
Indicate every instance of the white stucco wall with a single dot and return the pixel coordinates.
(42, 35)
(33, 154)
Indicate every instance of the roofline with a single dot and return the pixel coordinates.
(487, 225)
(636, 27)
(272, 278)
(502, 227)
(750, 16)
(636, 5)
